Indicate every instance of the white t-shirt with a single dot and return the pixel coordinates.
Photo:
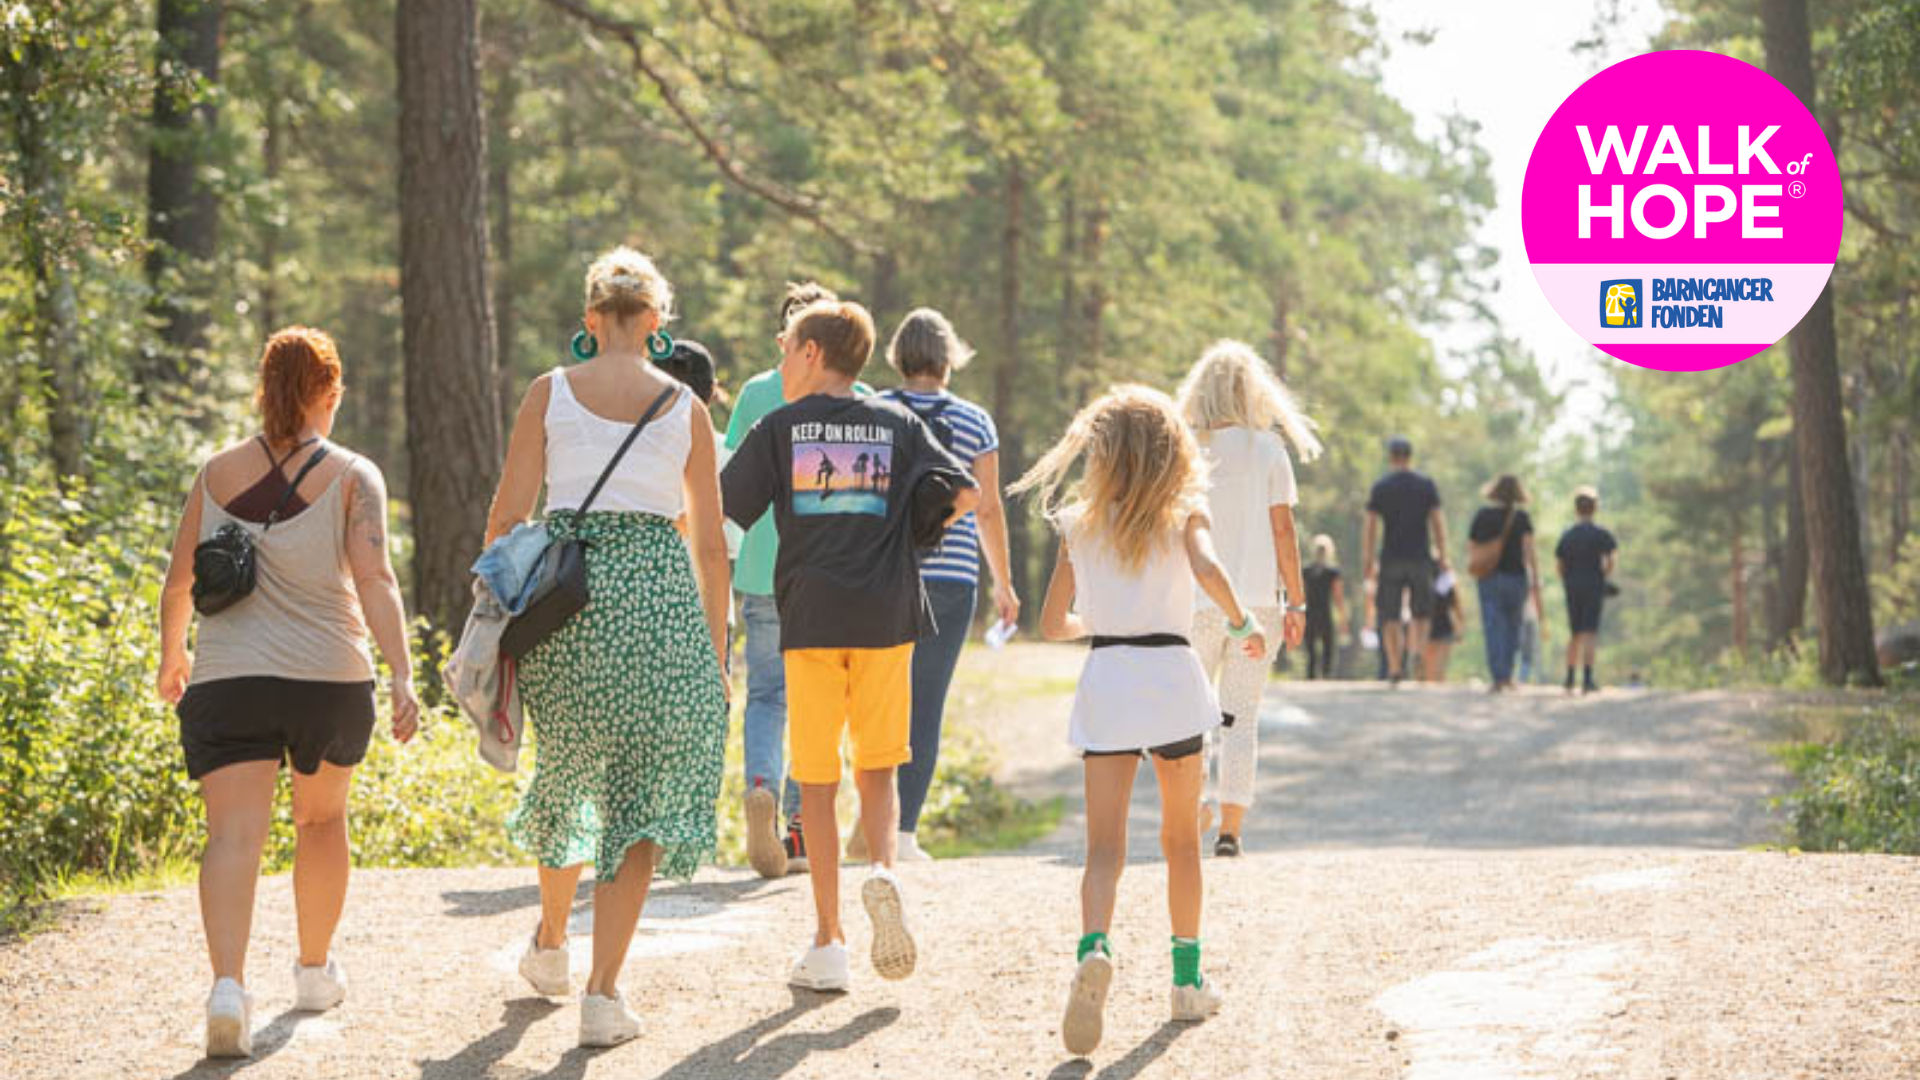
(1251, 473)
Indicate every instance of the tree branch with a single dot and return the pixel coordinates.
(804, 207)
(1871, 220)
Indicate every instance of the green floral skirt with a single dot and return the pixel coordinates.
(629, 717)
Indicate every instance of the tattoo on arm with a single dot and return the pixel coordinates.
(368, 521)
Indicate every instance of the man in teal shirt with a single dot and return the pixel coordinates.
(771, 853)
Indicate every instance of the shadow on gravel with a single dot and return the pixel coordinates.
(1128, 1067)
(742, 1056)
(663, 901)
(479, 1058)
(267, 1042)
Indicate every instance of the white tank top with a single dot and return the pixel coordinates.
(650, 479)
(1117, 601)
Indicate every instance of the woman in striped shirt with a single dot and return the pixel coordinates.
(926, 352)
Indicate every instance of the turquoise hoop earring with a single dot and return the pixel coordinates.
(659, 345)
(584, 345)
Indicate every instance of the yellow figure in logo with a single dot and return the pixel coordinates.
(1621, 306)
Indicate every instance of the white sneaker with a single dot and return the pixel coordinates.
(1087, 1004)
(893, 951)
(547, 970)
(229, 1020)
(765, 852)
(1195, 1002)
(317, 989)
(822, 967)
(909, 850)
(606, 1021)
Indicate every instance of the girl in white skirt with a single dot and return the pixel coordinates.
(1233, 402)
(1134, 537)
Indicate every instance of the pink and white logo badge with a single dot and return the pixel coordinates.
(1682, 210)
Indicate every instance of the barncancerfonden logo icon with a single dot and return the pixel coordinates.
(1620, 302)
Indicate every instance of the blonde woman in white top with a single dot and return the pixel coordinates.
(627, 699)
(1134, 539)
(1234, 402)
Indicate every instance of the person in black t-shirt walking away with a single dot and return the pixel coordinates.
(1404, 511)
(1325, 600)
(1514, 579)
(1586, 554)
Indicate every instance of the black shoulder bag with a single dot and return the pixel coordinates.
(559, 587)
(225, 565)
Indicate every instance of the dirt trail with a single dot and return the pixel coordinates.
(1440, 885)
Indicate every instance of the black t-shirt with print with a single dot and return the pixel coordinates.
(839, 474)
(1582, 549)
(1486, 529)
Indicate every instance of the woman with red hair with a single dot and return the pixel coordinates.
(281, 672)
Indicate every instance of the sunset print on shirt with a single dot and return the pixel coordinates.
(841, 477)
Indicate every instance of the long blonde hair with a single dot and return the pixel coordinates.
(1231, 386)
(1144, 475)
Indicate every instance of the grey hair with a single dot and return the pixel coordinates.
(925, 344)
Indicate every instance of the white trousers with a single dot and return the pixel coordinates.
(1233, 751)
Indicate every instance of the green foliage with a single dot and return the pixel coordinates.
(1860, 790)
(967, 813)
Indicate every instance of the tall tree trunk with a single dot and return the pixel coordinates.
(1790, 615)
(1006, 386)
(452, 404)
(1860, 458)
(182, 214)
(274, 157)
(1900, 477)
(883, 293)
(500, 158)
(1739, 585)
(1093, 309)
(1819, 425)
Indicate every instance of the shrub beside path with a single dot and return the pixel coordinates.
(1440, 885)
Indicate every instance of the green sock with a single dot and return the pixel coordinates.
(1090, 942)
(1186, 961)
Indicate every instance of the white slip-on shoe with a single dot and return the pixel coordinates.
(822, 967)
(765, 851)
(606, 1021)
(229, 1020)
(908, 849)
(893, 950)
(1195, 1002)
(1087, 1004)
(548, 971)
(317, 989)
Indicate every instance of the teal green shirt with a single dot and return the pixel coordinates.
(753, 568)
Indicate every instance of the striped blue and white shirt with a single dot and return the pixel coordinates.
(958, 557)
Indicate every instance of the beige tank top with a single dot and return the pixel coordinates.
(303, 619)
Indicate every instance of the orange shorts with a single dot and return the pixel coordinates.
(867, 693)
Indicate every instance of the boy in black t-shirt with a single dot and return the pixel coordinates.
(843, 476)
(1586, 554)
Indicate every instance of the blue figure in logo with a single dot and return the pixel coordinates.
(1620, 303)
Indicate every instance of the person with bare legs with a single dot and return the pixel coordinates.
(1134, 538)
(1403, 511)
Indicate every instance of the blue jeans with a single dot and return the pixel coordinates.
(934, 659)
(1503, 596)
(766, 713)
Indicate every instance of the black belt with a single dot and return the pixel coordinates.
(1144, 641)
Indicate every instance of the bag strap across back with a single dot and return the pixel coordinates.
(318, 456)
(639, 425)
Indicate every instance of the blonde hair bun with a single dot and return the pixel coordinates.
(623, 283)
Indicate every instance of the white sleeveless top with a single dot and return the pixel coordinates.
(649, 480)
(1134, 697)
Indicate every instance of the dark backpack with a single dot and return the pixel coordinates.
(932, 416)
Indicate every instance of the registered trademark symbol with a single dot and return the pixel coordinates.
(1796, 189)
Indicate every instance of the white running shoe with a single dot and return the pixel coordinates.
(822, 967)
(229, 1020)
(606, 1021)
(317, 989)
(765, 851)
(909, 850)
(1087, 1004)
(547, 970)
(893, 951)
(1195, 1002)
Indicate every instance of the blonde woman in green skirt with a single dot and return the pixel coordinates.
(628, 699)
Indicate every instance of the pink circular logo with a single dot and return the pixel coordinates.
(1682, 210)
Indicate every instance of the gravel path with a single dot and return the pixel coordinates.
(1441, 885)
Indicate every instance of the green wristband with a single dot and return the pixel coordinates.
(1244, 630)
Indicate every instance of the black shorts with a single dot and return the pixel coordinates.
(1414, 577)
(1583, 606)
(1172, 751)
(263, 718)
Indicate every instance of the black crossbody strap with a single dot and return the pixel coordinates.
(318, 456)
(645, 418)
